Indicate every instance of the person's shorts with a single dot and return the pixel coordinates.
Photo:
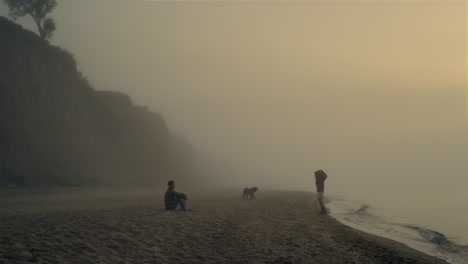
(320, 194)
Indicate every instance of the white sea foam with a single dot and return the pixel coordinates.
(375, 221)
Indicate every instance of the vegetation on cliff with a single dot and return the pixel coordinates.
(38, 10)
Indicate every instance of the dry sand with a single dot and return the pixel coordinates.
(112, 225)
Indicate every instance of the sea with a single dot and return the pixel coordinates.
(435, 223)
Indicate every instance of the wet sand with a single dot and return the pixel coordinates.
(116, 225)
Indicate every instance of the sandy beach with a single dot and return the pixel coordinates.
(113, 225)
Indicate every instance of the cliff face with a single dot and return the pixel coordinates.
(57, 130)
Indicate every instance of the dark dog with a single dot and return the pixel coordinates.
(250, 192)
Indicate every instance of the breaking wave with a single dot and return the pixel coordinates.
(360, 216)
(445, 248)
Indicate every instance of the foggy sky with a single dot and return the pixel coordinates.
(374, 93)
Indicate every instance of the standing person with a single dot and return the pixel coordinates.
(320, 177)
(172, 198)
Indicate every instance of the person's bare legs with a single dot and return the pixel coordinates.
(322, 206)
(323, 210)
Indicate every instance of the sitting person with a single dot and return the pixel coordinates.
(172, 198)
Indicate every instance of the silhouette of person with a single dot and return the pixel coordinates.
(320, 177)
(172, 198)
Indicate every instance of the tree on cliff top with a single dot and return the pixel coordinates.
(38, 10)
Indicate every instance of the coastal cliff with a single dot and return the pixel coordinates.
(55, 129)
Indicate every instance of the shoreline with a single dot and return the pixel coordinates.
(130, 225)
(414, 235)
(393, 244)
